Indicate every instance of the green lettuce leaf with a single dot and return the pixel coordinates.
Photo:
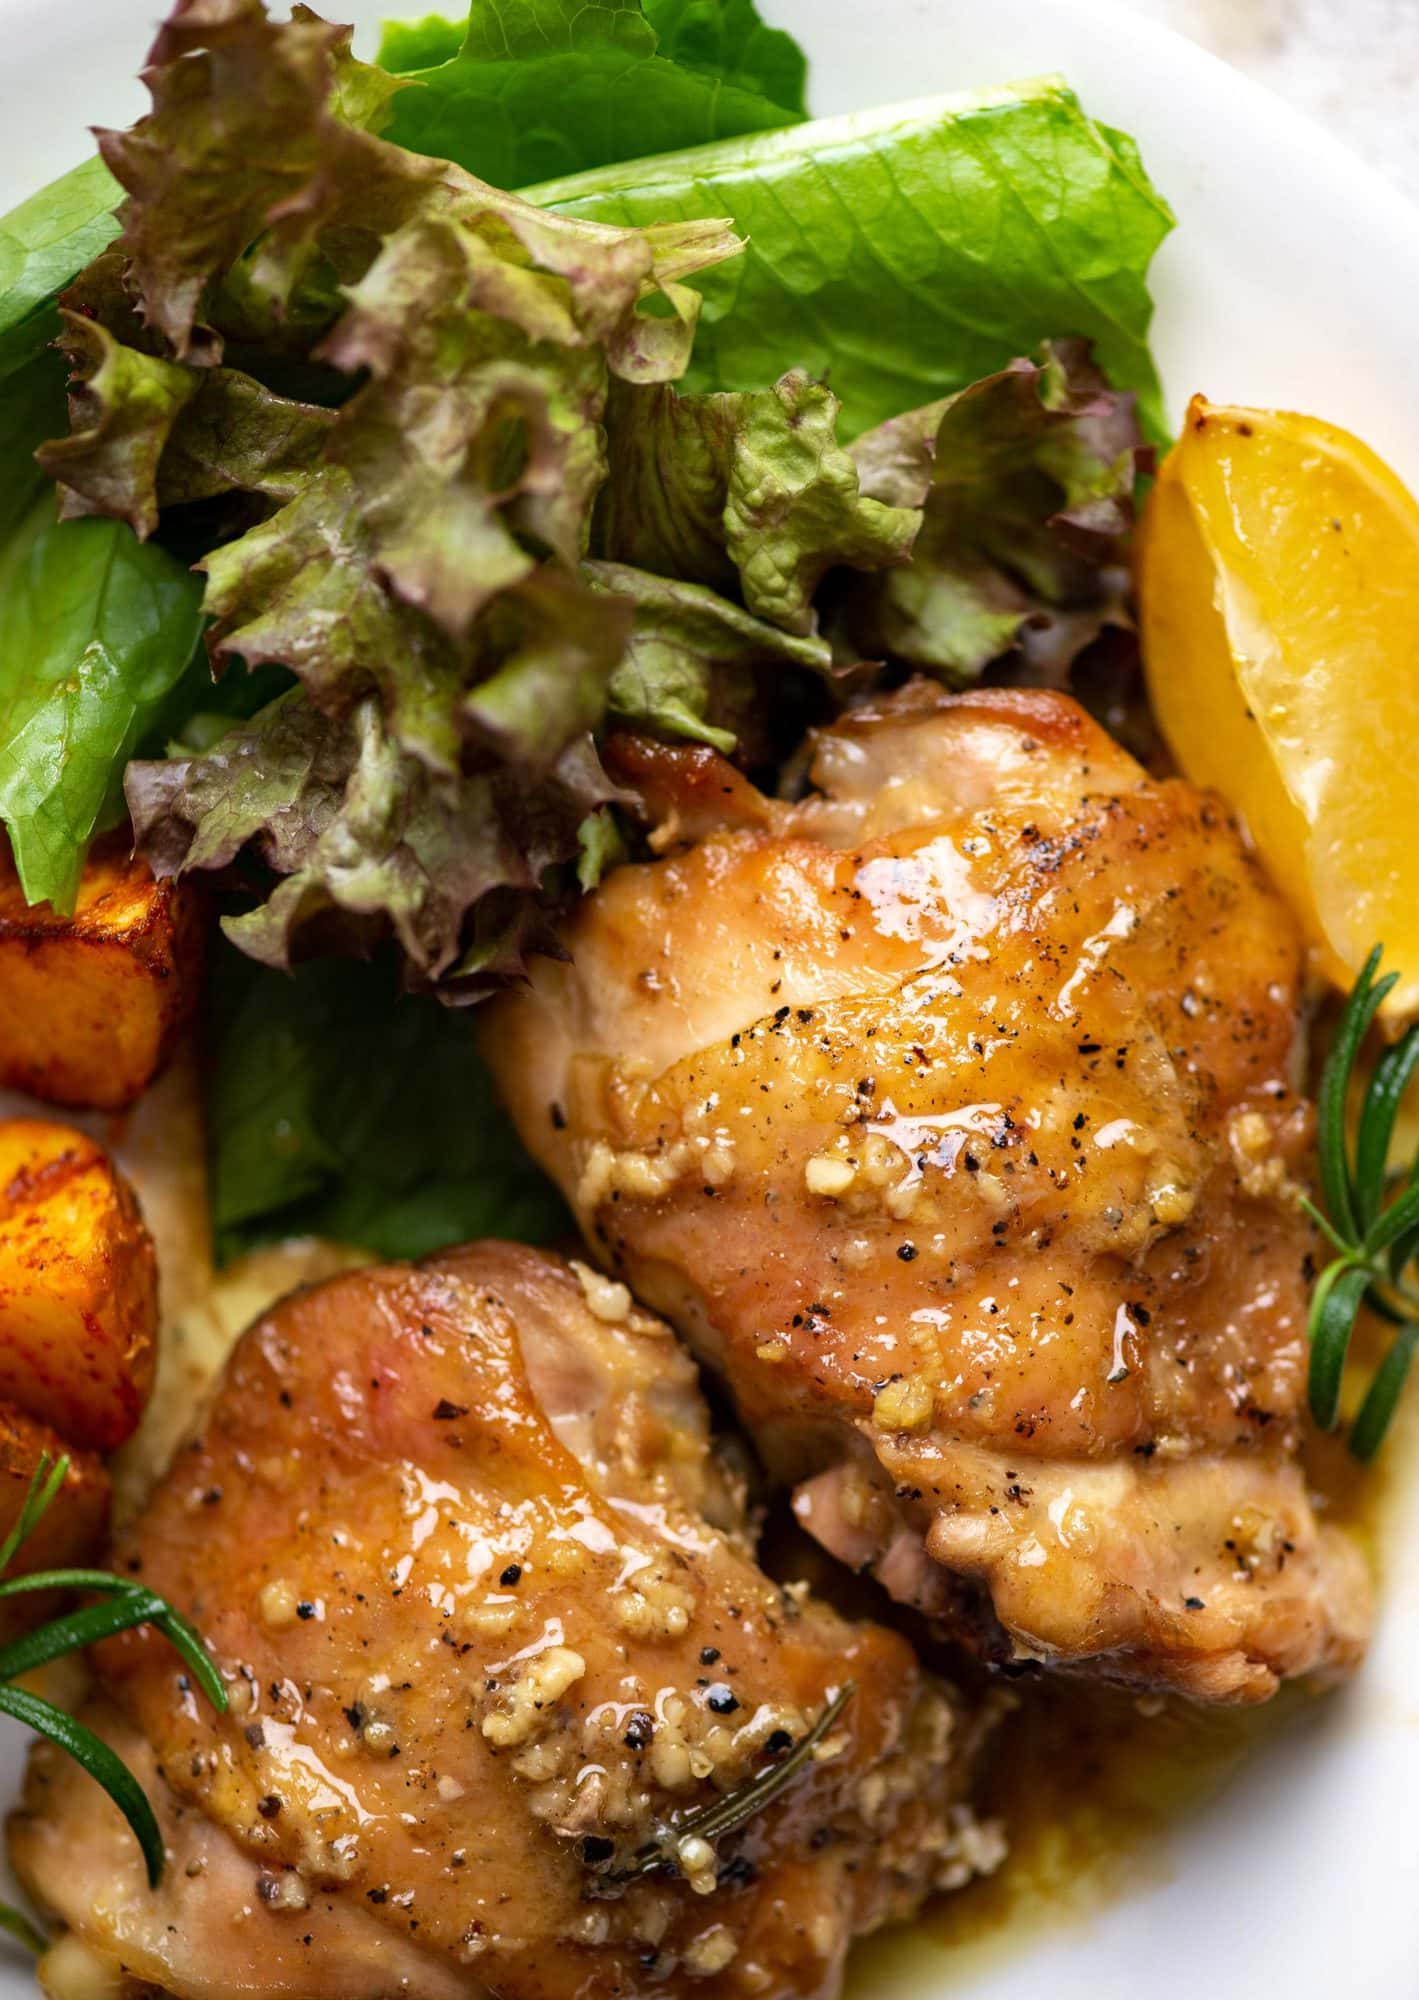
(256, 132)
(123, 404)
(748, 492)
(412, 555)
(1026, 482)
(406, 46)
(364, 838)
(44, 243)
(427, 543)
(600, 845)
(421, 438)
(726, 40)
(691, 652)
(338, 1106)
(723, 39)
(96, 630)
(533, 88)
(901, 254)
(794, 509)
(31, 410)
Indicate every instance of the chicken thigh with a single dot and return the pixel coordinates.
(953, 1113)
(494, 1635)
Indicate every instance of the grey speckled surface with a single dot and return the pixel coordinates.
(1353, 65)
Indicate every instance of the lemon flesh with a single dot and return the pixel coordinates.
(1278, 579)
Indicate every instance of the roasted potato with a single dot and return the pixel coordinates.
(89, 1003)
(78, 1286)
(70, 1531)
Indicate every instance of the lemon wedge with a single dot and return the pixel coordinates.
(1278, 581)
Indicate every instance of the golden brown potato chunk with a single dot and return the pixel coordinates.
(71, 1528)
(89, 1003)
(78, 1286)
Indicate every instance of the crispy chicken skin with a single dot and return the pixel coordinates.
(952, 1113)
(488, 1610)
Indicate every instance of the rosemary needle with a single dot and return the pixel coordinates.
(725, 1816)
(122, 1605)
(1371, 1219)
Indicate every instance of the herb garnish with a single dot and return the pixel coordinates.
(1376, 1238)
(123, 1605)
(725, 1816)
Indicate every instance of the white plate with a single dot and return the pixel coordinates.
(1292, 279)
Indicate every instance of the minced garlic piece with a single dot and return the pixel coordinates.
(711, 1951)
(1250, 1133)
(1170, 1198)
(902, 1200)
(696, 1861)
(277, 1604)
(493, 1621)
(545, 1681)
(1260, 1167)
(826, 1176)
(595, 1182)
(609, 1300)
(976, 1847)
(283, 1892)
(656, 1606)
(904, 1406)
(670, 1763)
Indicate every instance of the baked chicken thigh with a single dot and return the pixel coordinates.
(954, 1114)
(493, 1631)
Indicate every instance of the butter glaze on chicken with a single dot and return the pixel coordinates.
(487, 1607)
(954, 1115)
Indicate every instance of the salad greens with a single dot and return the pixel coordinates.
(44, 243)
(900, 254)
(531, 88)
(96, 629)
(450, 480)
(1025, 481)
(750, 493)
(31, 410)
(341, 1108)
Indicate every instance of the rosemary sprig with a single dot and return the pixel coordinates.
(1371, 1219)
(122, 1605)
(722, 1817)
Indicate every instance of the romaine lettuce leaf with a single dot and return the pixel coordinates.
(96, 632)
(43, 244)
(727, 41)
(407, 46)
(723, 39)
(96, 629)
(901, 254)
(538, 87)
(340, 1107)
